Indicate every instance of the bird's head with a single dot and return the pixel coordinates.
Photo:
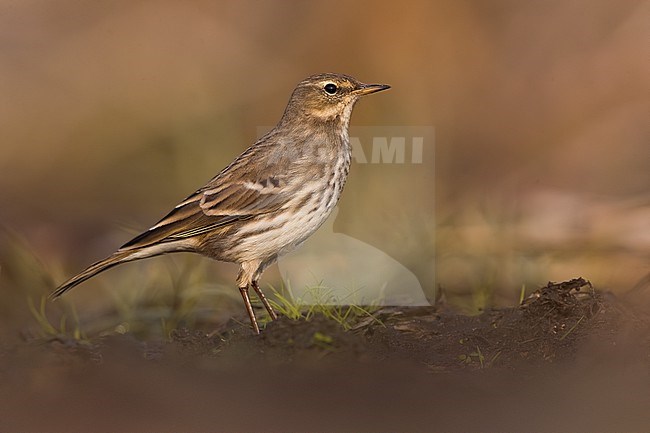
(328, 97)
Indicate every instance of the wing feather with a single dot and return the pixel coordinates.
(245, 189)
(210, 209)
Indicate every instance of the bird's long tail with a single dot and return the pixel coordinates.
(117, 258)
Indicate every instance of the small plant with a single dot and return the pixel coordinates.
(322, 340)
(477, 356)
(522, 294)
(48, 330)
(324, 303)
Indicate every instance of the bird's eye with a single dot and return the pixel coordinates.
(330, 88)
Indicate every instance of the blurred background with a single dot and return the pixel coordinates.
(112, 112)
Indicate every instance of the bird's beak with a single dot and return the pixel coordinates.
(366, 89)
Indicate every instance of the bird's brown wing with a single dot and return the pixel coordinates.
(218, 204)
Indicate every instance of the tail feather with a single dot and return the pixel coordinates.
(94, 269)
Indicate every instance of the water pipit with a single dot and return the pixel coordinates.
(269, 199)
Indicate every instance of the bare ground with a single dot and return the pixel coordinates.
(568, 359)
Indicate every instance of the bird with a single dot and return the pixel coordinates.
(269, 200)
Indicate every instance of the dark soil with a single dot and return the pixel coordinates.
(568, 359)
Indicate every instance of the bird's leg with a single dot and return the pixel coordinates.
(249, 308)
(265, 301)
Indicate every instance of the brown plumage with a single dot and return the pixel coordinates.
(269, 199)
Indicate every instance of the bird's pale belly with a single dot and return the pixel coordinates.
(281, 232)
